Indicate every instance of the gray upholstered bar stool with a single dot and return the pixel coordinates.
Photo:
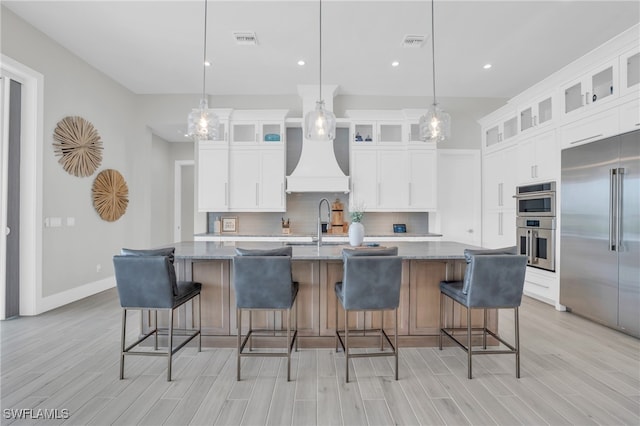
(494, 279)
(262, 281)
(146, 280)
(371, 282)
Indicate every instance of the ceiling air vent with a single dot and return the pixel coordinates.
(413, 40)
(245, 38)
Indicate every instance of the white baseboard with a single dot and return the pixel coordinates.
(60, 299)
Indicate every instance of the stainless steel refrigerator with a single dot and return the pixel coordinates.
(600, 231)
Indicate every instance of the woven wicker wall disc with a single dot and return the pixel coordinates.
(78, 145)
(110, 195)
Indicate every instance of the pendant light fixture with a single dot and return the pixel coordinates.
(203, 123)
(320, 124)
(435, 125)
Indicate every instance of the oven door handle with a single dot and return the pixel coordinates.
(533, 254)
(528, 246)
(536, 194)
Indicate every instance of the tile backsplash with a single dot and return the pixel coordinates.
(302, 211)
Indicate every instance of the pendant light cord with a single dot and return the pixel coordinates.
(433, 54)
(204, 51)
(320, 69)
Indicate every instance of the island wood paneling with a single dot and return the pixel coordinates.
(418, 312)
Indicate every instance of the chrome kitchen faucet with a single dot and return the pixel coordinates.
(319, 218)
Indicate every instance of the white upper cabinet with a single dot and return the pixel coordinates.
(259, 127)
(394, 179)
(501, 130)
(536, 114)
(377, 132)
(630, 72)
(364, 179)
(538, 158)
(591, 90)
(256, 180)
(212, 178)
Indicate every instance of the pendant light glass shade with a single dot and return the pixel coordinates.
(320, 124)
(435, 125)
(203, 123)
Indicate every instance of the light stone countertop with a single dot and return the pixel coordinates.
(427, 250)
(386, 237)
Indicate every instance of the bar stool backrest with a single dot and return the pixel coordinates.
(496, 280)
(145, 281)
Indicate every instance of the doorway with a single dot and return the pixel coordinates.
(10, 125)
(184, 202)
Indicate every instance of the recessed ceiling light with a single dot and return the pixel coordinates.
(486, 66)
(301, 62)
(207, 63)
(395, 63)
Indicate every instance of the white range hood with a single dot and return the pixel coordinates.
(317, 170)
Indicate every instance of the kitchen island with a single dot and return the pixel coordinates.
(317, 270)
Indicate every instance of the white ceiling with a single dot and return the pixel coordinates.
(155, 47)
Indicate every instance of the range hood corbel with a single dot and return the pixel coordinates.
(317, 170)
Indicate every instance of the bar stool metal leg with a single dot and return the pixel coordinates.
(441, 321)
(288, 344)
(239, 324)
(517, 333)
(346, 343)
(170, 345)
(484, 329)
(381, 330)
(123, 336)
(395, 342)
(337, 328)
(469, 347)
(155, 324)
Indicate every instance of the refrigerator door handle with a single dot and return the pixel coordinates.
(613, 193)
(619, 181)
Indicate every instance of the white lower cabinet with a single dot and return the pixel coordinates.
(213, 178)
(394, 179)
(256, 180)
(541, 285)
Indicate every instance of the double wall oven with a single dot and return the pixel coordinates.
(536, 222)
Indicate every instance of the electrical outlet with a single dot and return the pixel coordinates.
(98, 267)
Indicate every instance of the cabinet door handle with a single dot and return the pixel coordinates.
(410, 193)
(500, 223)
(500, 194)
(585, 139)
(535, 120)
(257, 192)
(586, 97)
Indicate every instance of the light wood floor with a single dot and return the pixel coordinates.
(573, 372)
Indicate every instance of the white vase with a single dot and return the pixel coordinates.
(356, 234)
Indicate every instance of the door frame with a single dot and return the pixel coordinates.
(177, 199)
(31, 188)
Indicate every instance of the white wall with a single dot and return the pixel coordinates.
(71, 87)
